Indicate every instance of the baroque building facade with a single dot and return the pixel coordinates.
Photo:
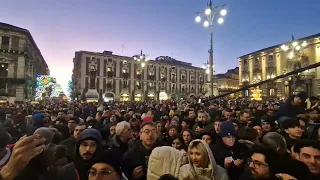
(105, 76)
(274, 61)
(228, 82)
(20, 62)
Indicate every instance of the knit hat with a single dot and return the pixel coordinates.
(47, 133)
(37, 119)
(175, 118)
(227, 129)
(147, 119)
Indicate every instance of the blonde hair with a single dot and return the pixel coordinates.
(200, 147)
(122, 126)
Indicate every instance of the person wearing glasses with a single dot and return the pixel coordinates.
(135, 161)
(262, 164)
(106, 168)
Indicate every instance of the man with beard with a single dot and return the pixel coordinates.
(135, 161)
(262, 164)
(87, 149)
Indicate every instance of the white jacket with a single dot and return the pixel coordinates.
(212, 172)
(164, 160)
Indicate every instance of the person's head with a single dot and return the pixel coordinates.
(300, 98)
(177, 142)
(102, 171)
(112, 128)
(60, 159)
(265, 124)
(309, 153)
(184, 125)
(148, 134)
(172, 130)
(217, 123)
(79, 128)
(160, 126)
(235, 124)
(207, 138)
(228, 114)
(259, 130)
(198, 154)
(187, 136)
(72, 123)
(191, 114)
(292, 128)
(61, 114)
(175, 121)
(263, 162)
(88, 145)
(99, 115)
(302, 125)
(123, 130)
(150, 113)
(202, 116)
(244, 116)
(228, 133)
(275, 141)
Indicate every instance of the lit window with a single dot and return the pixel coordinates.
(109, 69)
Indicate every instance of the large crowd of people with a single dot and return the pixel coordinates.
(221, 139)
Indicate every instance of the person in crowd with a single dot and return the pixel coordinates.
(309, 153)
(187, 136)
(262, 164)
(287, 164)
(60, 160)
(244, 117)
(72, 124)
(177, 142)
(207, 138)
(202, 164)
(106, 168)
(25, 149)
(135, 161)
(161, 156)
(292, 132)
(88, 148)
(5, 152)
(293, 108)
(184, 125)
(203, 123)
(119, 143)
(229, 153)
(70, 143)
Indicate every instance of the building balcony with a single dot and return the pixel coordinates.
(138, 76)
(110, 74)
(125, 75)
(151, 77)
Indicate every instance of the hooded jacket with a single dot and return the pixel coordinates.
(212, 172)
(164, 160)
(78, 170)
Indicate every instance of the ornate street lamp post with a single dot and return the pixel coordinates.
(142, 60)
(209, 14)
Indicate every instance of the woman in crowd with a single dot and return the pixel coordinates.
(202, 165)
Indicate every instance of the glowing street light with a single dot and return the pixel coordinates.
(208, 15)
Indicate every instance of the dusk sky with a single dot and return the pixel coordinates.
(159, 27)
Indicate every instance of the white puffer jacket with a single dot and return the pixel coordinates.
(164, 160)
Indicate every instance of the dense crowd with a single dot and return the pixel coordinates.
(222, 139)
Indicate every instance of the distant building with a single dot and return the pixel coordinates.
(274, 61)
(20, 62)
(228, 81)
(105, 76)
